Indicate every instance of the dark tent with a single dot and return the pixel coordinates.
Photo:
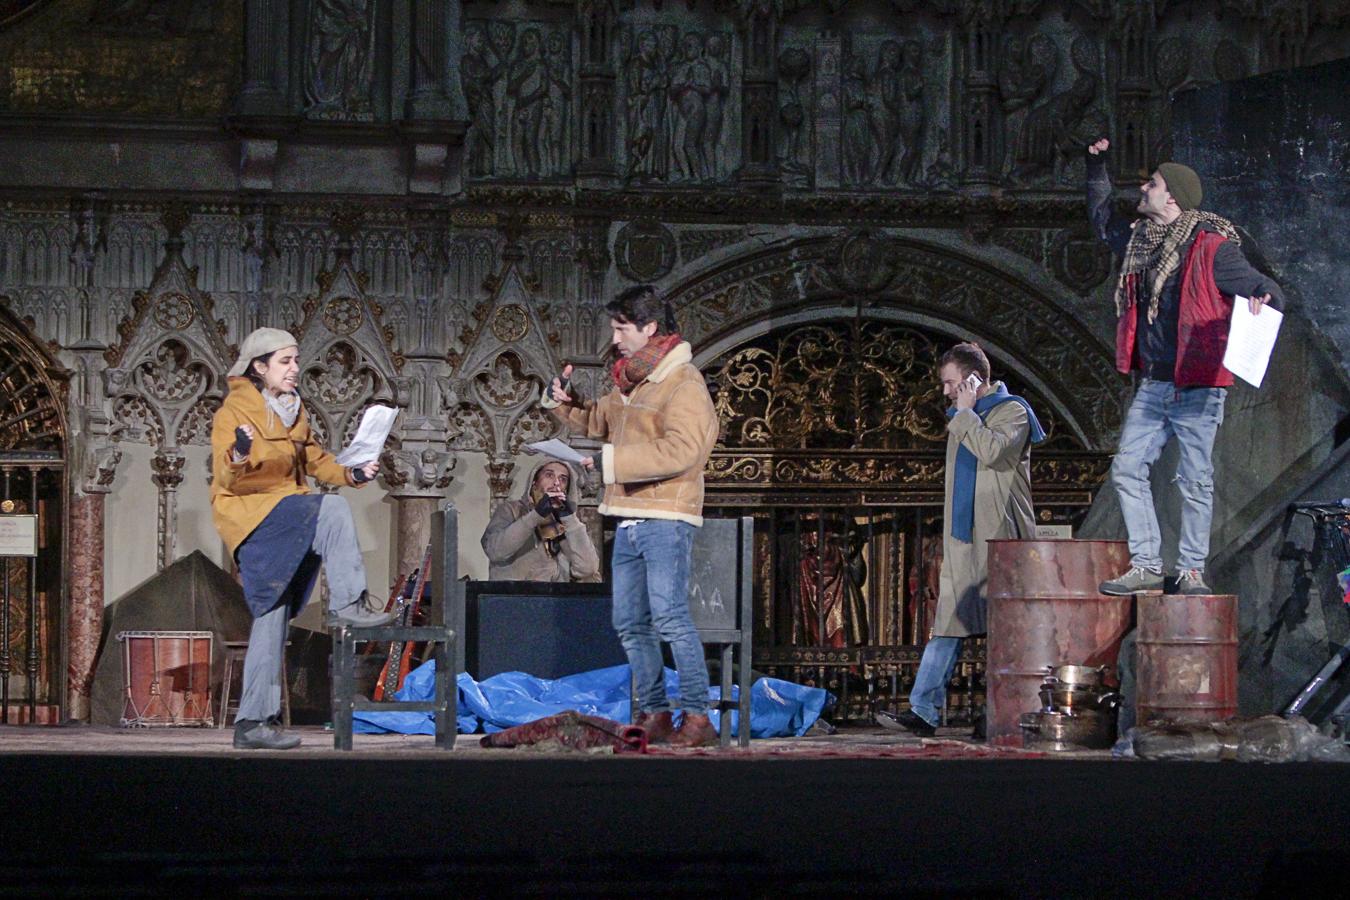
(194, 594)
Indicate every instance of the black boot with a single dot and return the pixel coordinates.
(906, 721)
(250, 734)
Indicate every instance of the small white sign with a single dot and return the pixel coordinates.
(1054, 532)
(18, 535)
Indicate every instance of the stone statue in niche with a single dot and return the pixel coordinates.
(857, 138)
(883, 109)
(1028, 72)
(1049, 137)
(645, 87)
(690, 86)
(528, 86)
(911, 113)
(479, 71)
(338, 57)
(794, 64)
(557, 105)
(719, 66)
(941, 172)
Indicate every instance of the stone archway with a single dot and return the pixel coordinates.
(822, 354)
(33, 482)
(1033, 333)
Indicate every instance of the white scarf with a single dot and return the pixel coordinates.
(286, 406)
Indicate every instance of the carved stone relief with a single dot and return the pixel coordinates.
(1057, 126)
(675, 89)
(699, 242)
(644, 250)
(884, 112)
(518, 83)
(340, 59)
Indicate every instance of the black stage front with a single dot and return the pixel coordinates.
(470, 823)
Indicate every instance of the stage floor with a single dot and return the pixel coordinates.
(178, 812)
(853, 742)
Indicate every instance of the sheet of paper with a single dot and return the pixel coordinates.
(1250, 341)
(556, 449)
(368, 443)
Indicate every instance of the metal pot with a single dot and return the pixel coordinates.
(1078, 676)
(1064, 731)
(1059, 697)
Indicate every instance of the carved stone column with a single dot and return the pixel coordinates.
(981, 152)
(593, 259)
(416, 476)
(829, 162)
(416, 479)
(94, 462)
(167, 469)
(426, 95)
(85, 624)
(266, 58)
(595, 24)
(759, 88)
(258, 250)
(1131, 47)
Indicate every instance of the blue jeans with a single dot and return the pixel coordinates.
(651, 604)
(1159, 411)
(929, 693)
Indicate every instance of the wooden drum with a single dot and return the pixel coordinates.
(166, 677)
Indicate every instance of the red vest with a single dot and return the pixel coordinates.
(1202, 320)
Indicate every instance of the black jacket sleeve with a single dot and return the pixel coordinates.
(1234, 275)
(1107, 225)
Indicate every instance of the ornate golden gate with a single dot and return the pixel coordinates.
(32, 484)
(833, 437)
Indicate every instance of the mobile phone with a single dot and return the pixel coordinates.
(974, 381)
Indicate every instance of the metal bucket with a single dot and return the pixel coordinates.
(1044, 610)
(1065, 731)
(1188, 650)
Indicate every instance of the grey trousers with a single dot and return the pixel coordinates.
(335, 542)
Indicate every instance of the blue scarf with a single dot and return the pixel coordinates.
(963, 480)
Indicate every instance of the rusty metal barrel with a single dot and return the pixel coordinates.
(1045, 610)
(1188, 657)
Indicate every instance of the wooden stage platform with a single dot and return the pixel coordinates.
(860, 743)
(178, 812)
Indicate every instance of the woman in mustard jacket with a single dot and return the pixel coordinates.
(262, 456)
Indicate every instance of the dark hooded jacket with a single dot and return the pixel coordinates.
(1185, 342)
(516, 552)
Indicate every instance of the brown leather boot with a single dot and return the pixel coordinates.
(658, 725)
(694, 731)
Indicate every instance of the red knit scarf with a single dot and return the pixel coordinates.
(631, 371)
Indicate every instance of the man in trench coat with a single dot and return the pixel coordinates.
(987, 496)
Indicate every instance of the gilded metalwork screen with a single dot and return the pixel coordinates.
(834, 434)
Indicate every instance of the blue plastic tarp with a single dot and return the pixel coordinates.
(777, 708)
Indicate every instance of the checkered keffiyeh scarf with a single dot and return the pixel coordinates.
(1156, 249)
(629, 372)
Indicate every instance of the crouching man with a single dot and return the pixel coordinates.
(539, 537)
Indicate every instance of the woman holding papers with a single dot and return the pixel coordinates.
(262, 455)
